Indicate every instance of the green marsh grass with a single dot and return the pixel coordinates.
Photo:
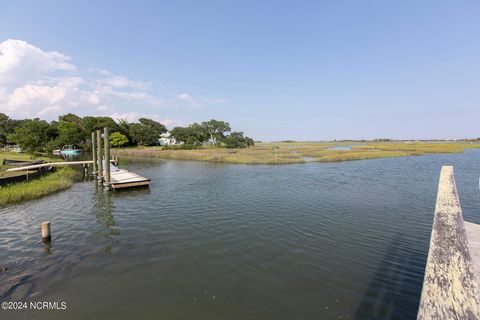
(58, 180)
(299, 152)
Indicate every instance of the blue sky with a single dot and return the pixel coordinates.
(304, 70)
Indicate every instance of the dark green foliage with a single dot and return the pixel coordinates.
(195, 134)
(156, 126)
(32, 135)
(146, 132)
(216, 130)
(237, 140)
(69, 133)
(70, 129)
(7, 126)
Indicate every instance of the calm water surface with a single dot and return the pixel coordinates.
(209, 241)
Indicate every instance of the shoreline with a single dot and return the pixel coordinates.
(295, 152)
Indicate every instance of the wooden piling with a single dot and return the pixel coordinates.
(46, 234)
(99, 156)
(106, 139)
(94, 153)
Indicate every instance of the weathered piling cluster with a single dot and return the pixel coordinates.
(101, 160)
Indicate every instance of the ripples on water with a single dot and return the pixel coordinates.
(207, 241)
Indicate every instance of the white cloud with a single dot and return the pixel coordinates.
(196, 103)
(189, 100)
(37, 83)
(21, 62)
(124, 82)
(46, 84)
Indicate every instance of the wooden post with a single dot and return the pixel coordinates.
(94, 153)
(106, 140)
(99, 156)
(46, 235)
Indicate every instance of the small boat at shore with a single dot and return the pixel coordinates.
(26, 175)
(21, 163)
(67, 150)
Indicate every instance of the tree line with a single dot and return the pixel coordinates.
(39, 135)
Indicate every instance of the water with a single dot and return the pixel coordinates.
(340, 148)
(345, 148)
(210, 241)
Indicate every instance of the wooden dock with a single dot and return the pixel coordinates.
(109, 176)
(122, 178)
(451, 282)
(119, 178)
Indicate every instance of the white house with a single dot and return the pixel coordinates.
(166, 139)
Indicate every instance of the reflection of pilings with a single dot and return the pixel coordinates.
(99, 157)
(103, 208)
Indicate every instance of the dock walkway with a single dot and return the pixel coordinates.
(452, 274)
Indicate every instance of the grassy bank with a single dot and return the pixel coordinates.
(60, 179)
(298, 152)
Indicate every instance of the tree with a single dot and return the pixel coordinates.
(216, 129)
(179, 133)
(124, 126)
(157, 126)
(194, 134)
(237, 140)
(7, 126)
(143, 135)
(89, 124)
(107, 122)
(69, 133)
(117, 139)
(94, 123)
(147, 132)
(32, 135)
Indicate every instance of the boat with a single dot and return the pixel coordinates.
(21, 163)
(25, 176)
(70, 150)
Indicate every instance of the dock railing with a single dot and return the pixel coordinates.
(450, 288)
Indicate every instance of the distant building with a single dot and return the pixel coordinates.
(166, 139)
